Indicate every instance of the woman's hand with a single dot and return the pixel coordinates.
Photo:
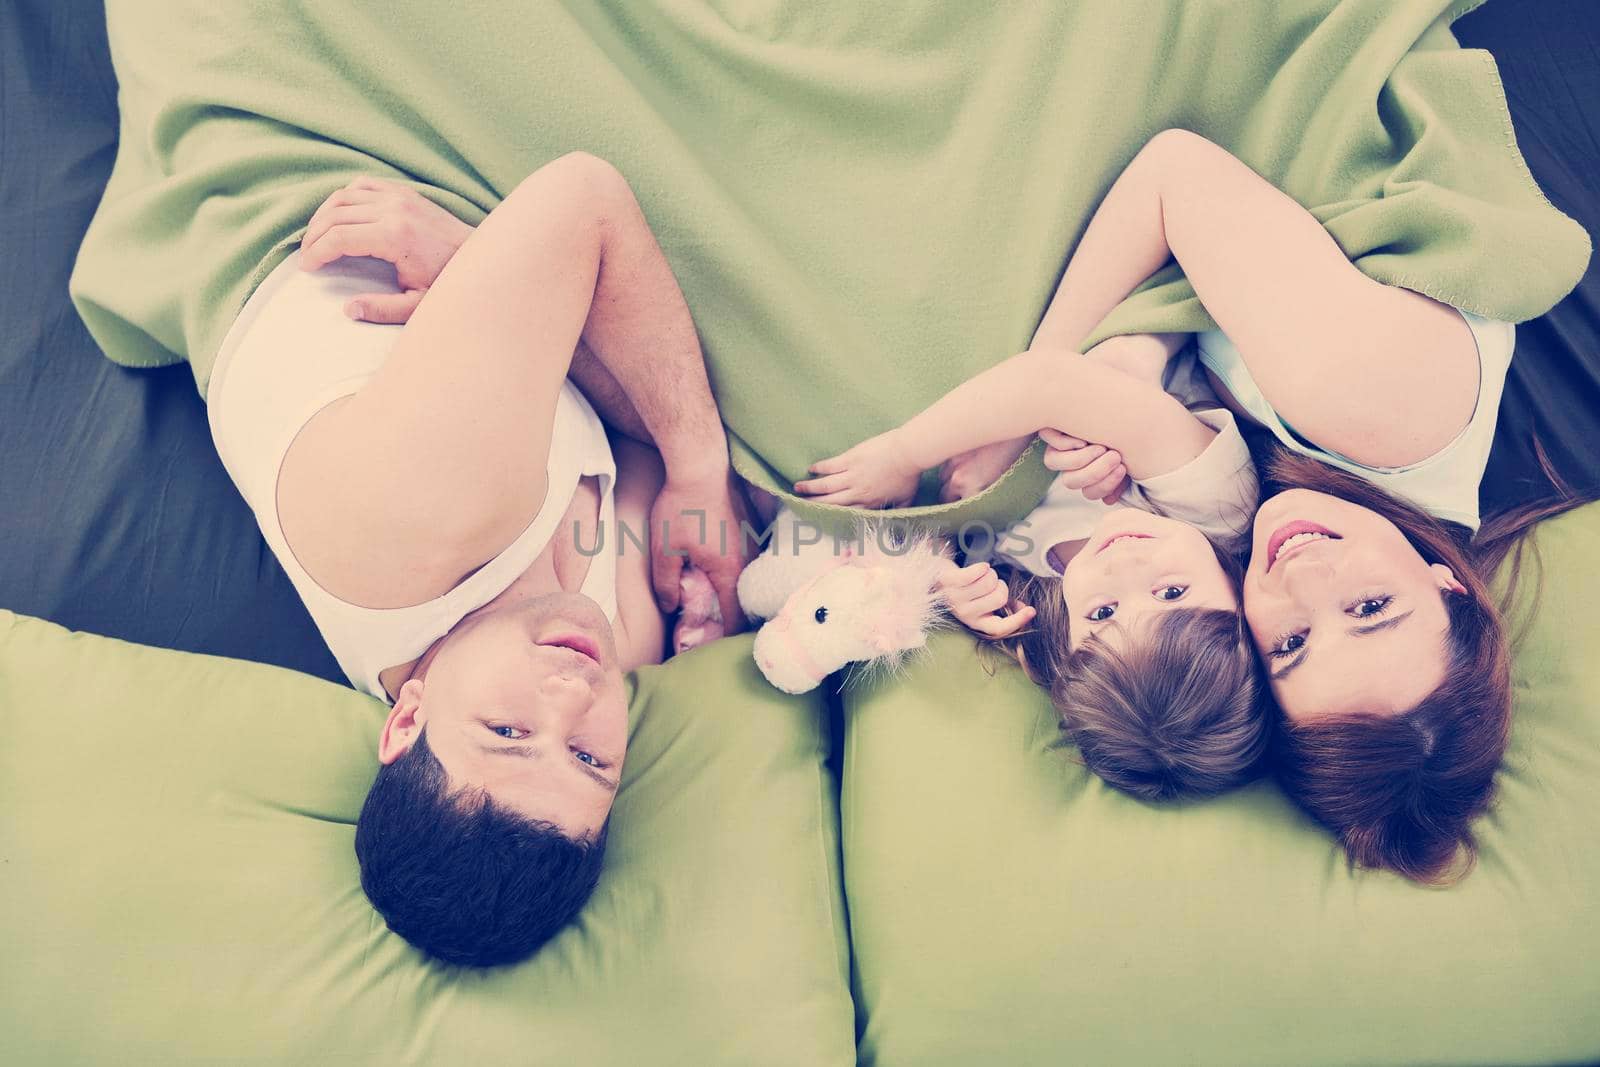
(1095, 469)
(374, 217)
(972, 472)
(977, 597)
(873, 474)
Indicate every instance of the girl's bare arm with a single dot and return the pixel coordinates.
(1034, 390)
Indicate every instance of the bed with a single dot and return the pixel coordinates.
(117, 519)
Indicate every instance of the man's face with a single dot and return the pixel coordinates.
(527, 703)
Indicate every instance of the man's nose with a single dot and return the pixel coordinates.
(562, 700)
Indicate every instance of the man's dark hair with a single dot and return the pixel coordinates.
(460, 877)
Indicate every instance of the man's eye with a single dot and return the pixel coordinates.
(821, 615)
(1102, 613)
(1171, 592)
(1371, 606)
(584, 757)
(1288, 645)
(510, 733)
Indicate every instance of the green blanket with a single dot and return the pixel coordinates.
(865, 203)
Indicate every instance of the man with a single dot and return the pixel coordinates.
(457, 519)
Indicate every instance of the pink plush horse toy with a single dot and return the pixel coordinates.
(831, 603)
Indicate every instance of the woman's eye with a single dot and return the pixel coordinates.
(821, 615)
(510, 733)
(584, 757)
(1102, 613)
(1288, 645)
(1371, 606)
(1171, 592)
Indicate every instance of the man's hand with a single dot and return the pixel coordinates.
(697, 520)
(972, 472)
(977, 597)
(1095, 469)
(394, 222)
(874, 474)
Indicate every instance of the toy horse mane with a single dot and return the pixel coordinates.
(868, 599)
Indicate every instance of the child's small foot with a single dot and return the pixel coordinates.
(699, 614)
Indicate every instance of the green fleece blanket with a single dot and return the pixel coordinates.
(865, 203)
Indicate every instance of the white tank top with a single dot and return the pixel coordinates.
(1445, 484)
(290, 353)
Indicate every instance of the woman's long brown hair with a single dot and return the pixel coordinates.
(1401, 791)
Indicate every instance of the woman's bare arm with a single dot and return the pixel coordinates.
(1381, 374)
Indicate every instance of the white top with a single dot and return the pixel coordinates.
(290, 353)
(1446, 483)
(1216, 491)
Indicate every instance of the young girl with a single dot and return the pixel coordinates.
(1366, 593)
(1139, 637)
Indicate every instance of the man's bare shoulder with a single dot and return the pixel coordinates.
(364, 535)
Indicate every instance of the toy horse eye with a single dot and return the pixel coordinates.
(821, 615)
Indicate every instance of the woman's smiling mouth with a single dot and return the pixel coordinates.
(1291, 537)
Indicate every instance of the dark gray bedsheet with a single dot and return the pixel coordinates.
(116, 516)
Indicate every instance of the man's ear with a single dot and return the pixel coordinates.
(1446, 579)
(404, 724)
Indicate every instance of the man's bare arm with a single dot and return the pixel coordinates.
(642, 335)
(445, 447)
(606, 394)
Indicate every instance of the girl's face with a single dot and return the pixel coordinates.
(1347, 616)
(1135, 565)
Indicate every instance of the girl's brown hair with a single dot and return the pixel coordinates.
(1400, 791)
(1178, 710)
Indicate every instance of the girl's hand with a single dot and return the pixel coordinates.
(972, 472)
(1095, 469)
(977, 596)
(374, 217)
(873, 474)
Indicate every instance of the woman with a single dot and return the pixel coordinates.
(1386, 653)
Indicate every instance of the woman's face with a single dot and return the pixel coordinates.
(1134, 566)
(1347, 616)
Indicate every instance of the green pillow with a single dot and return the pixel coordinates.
(1007, 906)
(177, 880)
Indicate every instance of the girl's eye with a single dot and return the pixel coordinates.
(1288, 645)
(510, 733)
(1371, 606)
(584, 757)
(1102, 613)
(821, 615)
(1171, 592)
